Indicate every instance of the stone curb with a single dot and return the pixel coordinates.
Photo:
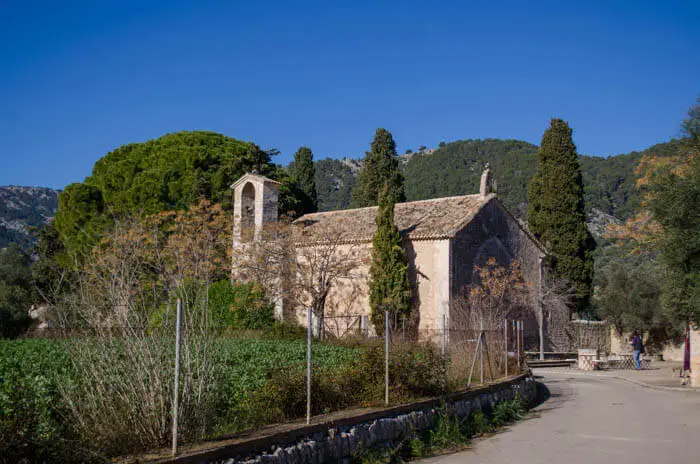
(658, 387)
(337, 439)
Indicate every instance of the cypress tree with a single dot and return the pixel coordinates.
(556, 213)
(389, 287)
(303, 172)
(380, 167)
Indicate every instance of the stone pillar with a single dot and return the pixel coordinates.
(695, 357)
(540, 306)
(586, 356)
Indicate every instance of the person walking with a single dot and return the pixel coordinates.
(685, 372)
(637, 349)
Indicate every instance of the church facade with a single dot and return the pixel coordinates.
(445, 240)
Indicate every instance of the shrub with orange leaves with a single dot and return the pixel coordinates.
(652, 173)
(498, 292)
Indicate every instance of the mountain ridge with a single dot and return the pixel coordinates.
(452, 169)
(22, 209)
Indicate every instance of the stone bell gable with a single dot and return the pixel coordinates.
(254, 205)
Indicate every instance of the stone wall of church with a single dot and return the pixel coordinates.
(348, 299)
(429, 273)
(494, 232)
(440, 271)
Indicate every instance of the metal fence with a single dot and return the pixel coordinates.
(468, 355)
(454, 357)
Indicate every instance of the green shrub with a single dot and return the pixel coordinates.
(415, 371)
(446, 432)
(507, 412)
(15, 290)
(283, 397)
(343, 377)
(416, 448)
(231, 307)
(377, 455)
(478, 423)
(240, 306)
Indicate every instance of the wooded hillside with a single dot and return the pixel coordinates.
(455, 169)
(179, 169)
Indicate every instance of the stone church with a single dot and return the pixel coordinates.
(445, 239)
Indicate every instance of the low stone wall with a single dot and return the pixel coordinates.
(338, 442)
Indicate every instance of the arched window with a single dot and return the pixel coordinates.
(248, 209)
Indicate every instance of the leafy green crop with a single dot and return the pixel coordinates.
(33, 413)
(30, 406)
(247, 364)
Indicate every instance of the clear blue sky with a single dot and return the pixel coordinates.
(78, 79)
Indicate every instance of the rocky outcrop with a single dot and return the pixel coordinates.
(598, 221)
(24, 208)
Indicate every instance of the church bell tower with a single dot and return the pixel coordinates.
(254, 205)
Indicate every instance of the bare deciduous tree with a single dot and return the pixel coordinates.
(125, 300)
(553, 303)
(497, 293)
(301, 269)
(320, 265)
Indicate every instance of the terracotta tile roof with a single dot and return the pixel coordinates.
(438, 218)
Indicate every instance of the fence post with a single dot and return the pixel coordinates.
(444, 354)
(513, 326)
(522, 338)
(517, 338)
(386, 360)
(178, 330)
(476, 353)
(308, 365)
(505, 342)
(481, 351)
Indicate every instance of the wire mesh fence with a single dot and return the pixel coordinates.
(468, 356)
(242, 380)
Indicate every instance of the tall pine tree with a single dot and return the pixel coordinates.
(380, 167)
(389, 287)
(556, 215)
(303, 172)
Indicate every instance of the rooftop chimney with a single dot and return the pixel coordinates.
(485, 187)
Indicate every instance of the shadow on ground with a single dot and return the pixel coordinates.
(543, 393)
